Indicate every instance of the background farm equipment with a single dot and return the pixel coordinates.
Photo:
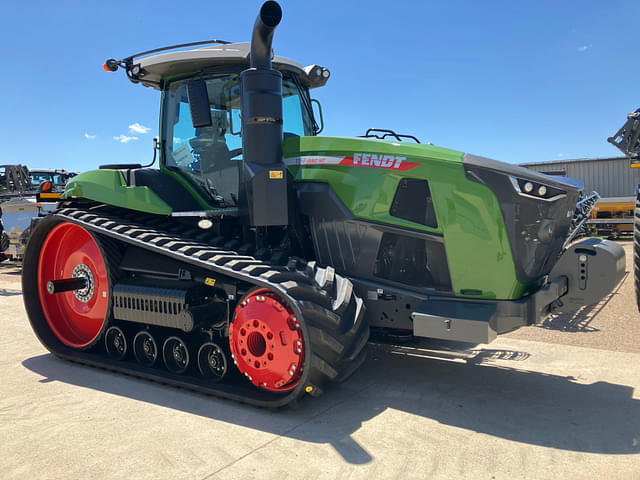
(627, 140)
(613, 217)
(24, 195)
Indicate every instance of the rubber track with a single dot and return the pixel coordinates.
(4, 241)
(636, 248)
(333, 324)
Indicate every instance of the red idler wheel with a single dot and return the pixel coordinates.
(76, 317)
(266, 341)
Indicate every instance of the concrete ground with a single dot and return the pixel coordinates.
(561, 400)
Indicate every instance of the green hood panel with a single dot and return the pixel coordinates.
(363, 174)
(108, 186)
(348, 145)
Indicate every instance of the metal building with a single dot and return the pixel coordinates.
(610, 177)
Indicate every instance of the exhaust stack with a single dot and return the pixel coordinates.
(264, 176)
(266, 23)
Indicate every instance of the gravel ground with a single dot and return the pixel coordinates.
(560, 400)
(612, 324)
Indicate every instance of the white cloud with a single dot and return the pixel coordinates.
(138, 128)
(90, 137)
(561, 155)
(124, 138)
(583, 48)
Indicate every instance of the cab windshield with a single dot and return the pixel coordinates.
(57, 179)
(211, 156)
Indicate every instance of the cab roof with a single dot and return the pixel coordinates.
(157, 67)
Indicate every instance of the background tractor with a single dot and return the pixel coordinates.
(627, 140)
(256, 261)
(24, 194)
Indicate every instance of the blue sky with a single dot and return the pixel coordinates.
(518, 81)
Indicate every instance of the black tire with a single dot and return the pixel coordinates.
(351, 311)
(334, 319)
(636, 248)
(4, 241)
(4, 244)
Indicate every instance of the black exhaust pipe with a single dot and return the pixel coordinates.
(264, 177)
(267, 21)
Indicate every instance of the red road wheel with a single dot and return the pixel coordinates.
(76, 317)
(266, 341)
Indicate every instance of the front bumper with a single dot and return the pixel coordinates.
(584, 274)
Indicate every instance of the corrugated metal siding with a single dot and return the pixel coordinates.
(610, 177)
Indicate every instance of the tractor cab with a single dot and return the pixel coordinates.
(201, 114)
(226, 109)
(209, 152)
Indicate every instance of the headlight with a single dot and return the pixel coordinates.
(540, 191)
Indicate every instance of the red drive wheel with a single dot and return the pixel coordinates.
(73, 285)
(266, 341)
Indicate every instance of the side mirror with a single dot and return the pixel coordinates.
(199, 103)
(318, 115)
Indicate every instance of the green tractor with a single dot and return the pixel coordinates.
(256, 262)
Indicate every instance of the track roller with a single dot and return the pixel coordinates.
(212, 361)
(175, 355)
(145, 348)
(115, 343)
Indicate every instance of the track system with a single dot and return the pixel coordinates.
(4, 243)
(273, 334)
(636, 248)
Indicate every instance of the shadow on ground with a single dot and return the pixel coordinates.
(9, 292)
(580, 321)
(453, 388)
(10, 268)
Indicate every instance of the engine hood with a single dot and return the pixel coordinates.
(401, 155)
(516, 171)
(349, 146)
